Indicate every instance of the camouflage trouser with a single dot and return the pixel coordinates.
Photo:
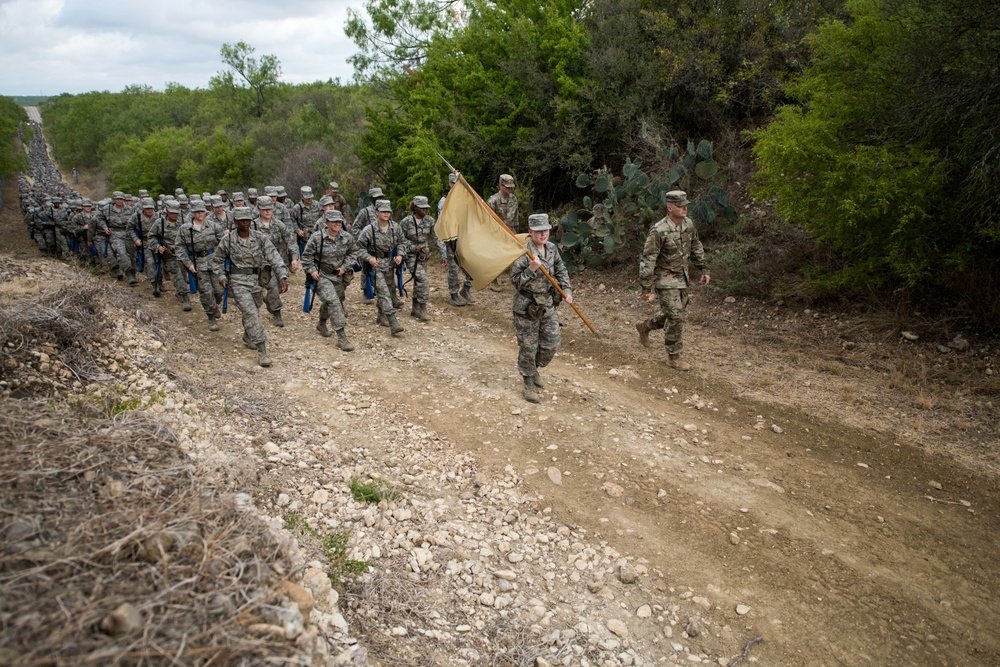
(62, 242)
(119, 259)
(42, 237)
(209, 288)
(169, 266)
(537, 341)
(85, 253)
(385, 288)
(272, 296)
(149, 265)
(456, 279)
(421, 288)
(331, 293)
(249, 299)
(669, 316)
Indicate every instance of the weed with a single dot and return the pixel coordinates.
(926, 402)
(373, 491)
(334, 547)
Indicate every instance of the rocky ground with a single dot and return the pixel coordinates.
(819, 480)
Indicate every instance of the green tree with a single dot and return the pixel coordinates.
(258, 78)
(12, 115)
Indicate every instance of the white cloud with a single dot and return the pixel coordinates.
(74, 46)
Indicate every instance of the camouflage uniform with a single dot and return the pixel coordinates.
(83, 224)
(195, 247)
(340, 204)
(60, 217)
(247, 257)
(163, 234)
(306, 219)
(282, 238)
(668, 252)
(506, 208)
(536, 322)
(382, 244)
(326, 254)
(365, 217)
(420, 233)
(118, 223)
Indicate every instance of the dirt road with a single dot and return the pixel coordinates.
(840, 545)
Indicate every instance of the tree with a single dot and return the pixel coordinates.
(11, 116)
(260, 78)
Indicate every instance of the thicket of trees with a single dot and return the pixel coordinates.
(12, 160)
(871, 124)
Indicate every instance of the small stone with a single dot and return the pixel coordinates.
(730, 299)
(645, 611)
(271, 448)
(692, 628)
(123, 620)
(909, 336)
(661, 493)
(742, 609)
(935, 485)
(514, 557)
(400, 631)
(943, 349)
(487, 599)
(734, 539)
(777, 429)
(618, 628)
(612, 489)
(613, 373)
(554, 475)
(627, 574)
(959, 343)
(690, 427)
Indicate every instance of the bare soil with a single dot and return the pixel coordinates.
(846, 494)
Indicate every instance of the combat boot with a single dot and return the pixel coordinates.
(643, 329)
(264, 360)
(382, 320)
(213, 325)
(119, 275)
(323, 330)
(456, 301)
(529, 393)
(466, 293)
(420, 312)
(278, 322)
(247, 343)
(537, 379)
(132, 280)
(394, 325)
(156, 290)
(676, 362)
(343, 342)
(186, 300)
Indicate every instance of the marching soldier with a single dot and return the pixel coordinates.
(195, 242)
(382, 246)
(418, 227)
(283, 239)
(328, 259)
(161, 237)
(117, 231)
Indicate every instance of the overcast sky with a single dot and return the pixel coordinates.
(49, 47)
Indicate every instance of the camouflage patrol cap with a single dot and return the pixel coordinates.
(507, 180)
(87, 202)
(172, 206)
(539, 222)
(148, 203)
(327, 200)
(677, 198)
(420, 202)
(217, 201)
(252, 193)
(333, 216)
(270, 190)
(118, 194)
(57, 199)
(265, 203)
(206, 196)
(307, 192)
(280, 191)
(143, 194)
(375, 193)
(183, 200)
(383, 205)
(238, 196)
(335, 186)
(198, 205)
(242, 213)
(178, 192)
(222, 193)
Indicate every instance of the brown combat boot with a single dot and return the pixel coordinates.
(643, 329)
(264, 360)
(278, 322)
(343, 342)
(537, 380)
(213, 325)
(456, 301)
(394, 325)
(676, 362)
(186, 300)
(382, 320)
(323, 330)
(529, 393)
(420, 312)
(466, 293)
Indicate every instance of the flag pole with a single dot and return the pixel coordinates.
(503, 224)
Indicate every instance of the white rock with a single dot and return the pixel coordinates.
(644, 611)
(554, 475)
(742, 609)
(618, 628)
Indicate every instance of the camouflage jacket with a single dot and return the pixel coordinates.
(668, 252)
(119, 221)
(163, 232)
(365, 217)
(306, 217)
(192, 244)
(282, 236)
(380, 243)
(533, 286)
(326, 254)
(505, 208)
(247, 256)
(421, 233)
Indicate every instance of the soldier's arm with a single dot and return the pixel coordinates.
(560, 272)
(273, 257)
(647, 263)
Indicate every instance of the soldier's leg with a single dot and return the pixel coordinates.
(332, 309)
(673, 303)
(248, 301)
(206, 293)
(63, 243)
(421, 285)
(383, 296)
(548, 338)
(527, 332)
(121, 257)
(273, 296)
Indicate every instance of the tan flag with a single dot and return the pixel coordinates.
(483, 247)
